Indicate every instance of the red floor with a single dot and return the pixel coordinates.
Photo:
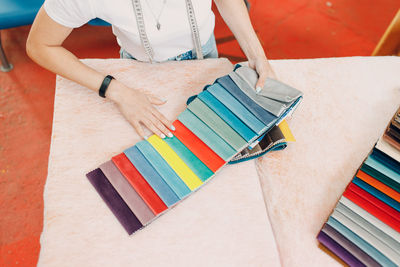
(287, 29)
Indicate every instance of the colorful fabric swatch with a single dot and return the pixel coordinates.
(227, 116)
(259, 112)
(289, 137)
(207, 135)
(127, 192)
(218, 125)
(198, 147)
(114, 201)
(368, 213)
(176, 163)
(152, 177)
(163, 169)
(190, 159)
(139, 183)
(156, 174)
(237, 108)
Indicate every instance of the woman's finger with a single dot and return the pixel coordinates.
(261, 81)
(163, 119)
(149, 124)
(156, 122)
(138, 128)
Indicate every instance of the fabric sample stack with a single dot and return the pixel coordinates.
(392, 134)
(364, 228)
(154, 175)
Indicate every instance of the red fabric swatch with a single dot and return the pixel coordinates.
(198, 147)
(377, 202)
(369, 205)
(139, 183)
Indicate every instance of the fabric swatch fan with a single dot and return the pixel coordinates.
(227, 122)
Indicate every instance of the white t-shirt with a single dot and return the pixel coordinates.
(173, 38)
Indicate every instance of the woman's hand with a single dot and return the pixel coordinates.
(264, 70)
(236, 16)
(137, 107)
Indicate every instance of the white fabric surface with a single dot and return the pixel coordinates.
(223, 224)
(347, 104)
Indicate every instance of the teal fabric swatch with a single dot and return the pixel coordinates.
(148, 172)
(208, 136)
(227, 116)
(388, 172)
(218, 125)
(359, 242)
(237, 108)
(193, 162)
(163, 169)
(381, 173)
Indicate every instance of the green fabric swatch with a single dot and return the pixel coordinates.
(218, 125)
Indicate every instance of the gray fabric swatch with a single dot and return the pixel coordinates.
(389, 231)
(275, 96)
(372, 229)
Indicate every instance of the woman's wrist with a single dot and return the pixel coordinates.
(115, 91)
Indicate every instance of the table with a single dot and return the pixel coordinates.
(231, 221)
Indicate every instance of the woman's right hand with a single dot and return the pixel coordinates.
(137, 107)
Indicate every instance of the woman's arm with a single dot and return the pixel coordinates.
(234, 13)
(44, 46)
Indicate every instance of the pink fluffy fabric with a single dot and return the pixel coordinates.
(347, 105)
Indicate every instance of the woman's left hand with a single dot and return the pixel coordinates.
(264, 70)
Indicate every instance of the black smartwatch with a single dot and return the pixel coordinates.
(104, 85)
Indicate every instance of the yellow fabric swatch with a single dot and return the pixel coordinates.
(176, 163)
(286, 131)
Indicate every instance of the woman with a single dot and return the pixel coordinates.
(146, 30)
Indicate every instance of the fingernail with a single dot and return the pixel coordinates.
(170, 135)
(146, 137)
(173, 128)
(162, 136)
(258, 89)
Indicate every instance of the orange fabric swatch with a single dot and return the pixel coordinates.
(140, 185)
(379, 185)
(198, 147)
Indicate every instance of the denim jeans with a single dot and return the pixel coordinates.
(209, 51)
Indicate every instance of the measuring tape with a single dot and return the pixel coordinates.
(137, 8)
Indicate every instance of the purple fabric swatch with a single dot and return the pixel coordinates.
(349, 246)
(114, 201)
(338, 250)
(127, 192)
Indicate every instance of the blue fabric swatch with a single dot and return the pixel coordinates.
(263, 115)
(237, 108)
(163, 169)
(151, 176)
(227, 116)
(208, 136)
(386, 160)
